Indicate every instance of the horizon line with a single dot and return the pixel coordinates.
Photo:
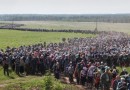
(61, 13)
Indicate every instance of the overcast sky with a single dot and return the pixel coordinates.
(64, 6)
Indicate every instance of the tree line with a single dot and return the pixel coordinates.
(110, 18)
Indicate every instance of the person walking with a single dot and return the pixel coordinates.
(105, 80)
(6, 66)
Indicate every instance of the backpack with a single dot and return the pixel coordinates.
(83, 73)
(115, 83)
(121, 86)
(70, 69)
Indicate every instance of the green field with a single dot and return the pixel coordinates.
(2, 24)
(14, 38)
(120, 27)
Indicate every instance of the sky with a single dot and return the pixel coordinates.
(64, 6)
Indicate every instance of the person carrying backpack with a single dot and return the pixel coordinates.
(90, 76)
(56, 70)
(97, 79)
(122, 85)
(83, 75)
(70, 72)
(105, 80)
(115, 82)
(77, 74)
(128, 82)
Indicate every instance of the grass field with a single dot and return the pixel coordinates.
(120, 27)
(2, 24)
(16, 38)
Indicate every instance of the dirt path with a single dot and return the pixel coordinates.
(66, 81)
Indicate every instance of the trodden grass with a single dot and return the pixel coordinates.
(14, 38)
(46, 82)
(39, 83)
(3, 77)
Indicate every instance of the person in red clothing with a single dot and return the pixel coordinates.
(97, 79)
(114, 83)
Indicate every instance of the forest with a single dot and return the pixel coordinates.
(110, 18)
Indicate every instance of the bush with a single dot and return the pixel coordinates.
(48, 83)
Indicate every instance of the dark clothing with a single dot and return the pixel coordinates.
(123, 73)
(122, 86)
(105, 81)
(21, 69)
(17, 66)
(70, 72)
(83, 80)
(6, 70)
(115, 84)
(56, 71)
(6, 67)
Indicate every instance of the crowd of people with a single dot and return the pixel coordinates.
(87, 61)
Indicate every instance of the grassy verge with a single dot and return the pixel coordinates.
(47, 82)
(3, 77)
(38, 83)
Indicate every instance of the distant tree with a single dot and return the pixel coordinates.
(124, 18)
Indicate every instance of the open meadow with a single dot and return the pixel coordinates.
(60, 25)
(15, 38)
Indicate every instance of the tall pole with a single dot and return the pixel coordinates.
(12, 22)
(96, 25)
